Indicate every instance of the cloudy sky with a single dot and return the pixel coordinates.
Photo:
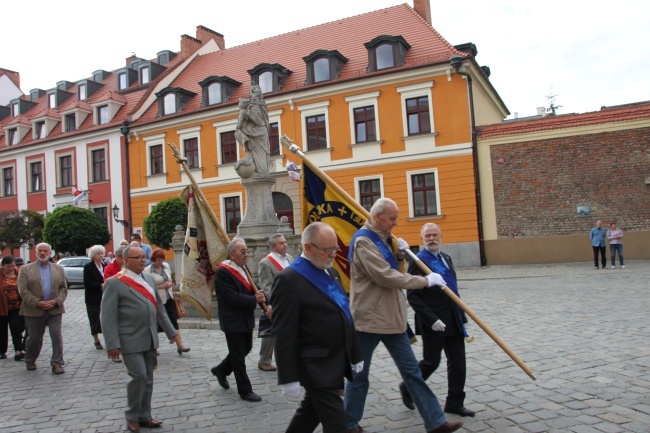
(587, 53)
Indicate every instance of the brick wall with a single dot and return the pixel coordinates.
(538, 184)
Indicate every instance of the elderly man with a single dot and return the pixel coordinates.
(440, 321)
(130, 312)
(379, 311)
(316, 342)
(43, 289)
(236, 300)
(116, 265)
(268, 268)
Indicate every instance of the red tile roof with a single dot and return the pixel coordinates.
(616, 113)
(347, 36)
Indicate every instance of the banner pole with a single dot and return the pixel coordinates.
(288, 143)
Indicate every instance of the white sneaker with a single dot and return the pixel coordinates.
(622, 267)
(613, 267)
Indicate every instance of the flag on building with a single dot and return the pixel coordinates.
(204, 249)
(323, 203)
(78, 195)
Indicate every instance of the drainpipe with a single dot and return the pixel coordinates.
(456, 63)
(124, 130)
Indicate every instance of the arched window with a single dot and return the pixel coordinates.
(214, 93)
(266, 81)
(385, 56)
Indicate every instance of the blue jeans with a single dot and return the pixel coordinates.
(614, 248)
(400, 350)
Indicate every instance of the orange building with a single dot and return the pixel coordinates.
(379, 101)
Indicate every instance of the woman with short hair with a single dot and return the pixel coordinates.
(10, 301)
(94, 284)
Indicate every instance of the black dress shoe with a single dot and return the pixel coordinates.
(406, 397)
(251, 396)
(223, 380)
(447, 427)
(462, 411)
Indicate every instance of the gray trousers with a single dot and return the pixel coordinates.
(36, 329)
(139, 366)
(266, 350)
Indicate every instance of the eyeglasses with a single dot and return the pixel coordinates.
(327, 250)
(245, 251)
(136, 257)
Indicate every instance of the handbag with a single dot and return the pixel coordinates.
(180, 308)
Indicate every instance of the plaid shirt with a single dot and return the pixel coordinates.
(611, 236)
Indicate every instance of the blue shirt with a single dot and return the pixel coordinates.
(598, 236)
(46, 280)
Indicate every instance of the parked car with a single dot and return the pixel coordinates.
(74, 269)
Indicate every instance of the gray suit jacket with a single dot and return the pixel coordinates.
(266, 272)
(129, 320)
(30, 287)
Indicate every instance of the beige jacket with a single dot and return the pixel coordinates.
(376, 299)
(30, 287)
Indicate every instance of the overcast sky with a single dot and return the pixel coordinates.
(587, 53)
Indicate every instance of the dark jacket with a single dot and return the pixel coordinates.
(93, 280)
(235, 304)
(432, 304)
(315, 344)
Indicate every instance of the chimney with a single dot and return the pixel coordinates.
(541, 111)
(423, 8)
(189, 46)
(130, 59)
(204, 35)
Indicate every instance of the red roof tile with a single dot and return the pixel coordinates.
(617, 113)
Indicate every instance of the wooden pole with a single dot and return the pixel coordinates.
(286, 142)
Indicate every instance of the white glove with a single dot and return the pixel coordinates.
(358, 367)
(402, 244)
(438, 326)
(436, 280)
(292, 390)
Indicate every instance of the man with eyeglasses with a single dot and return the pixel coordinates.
(316, 345)
(131, 303)
(268, 268)
(379, 310)
(236, 303)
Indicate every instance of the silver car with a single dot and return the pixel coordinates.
(74, 269)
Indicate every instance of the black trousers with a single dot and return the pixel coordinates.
(320, 405)
(433, 343)
(239, 345)
(603, 258)
(17, 328)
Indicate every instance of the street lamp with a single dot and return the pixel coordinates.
(116, 214)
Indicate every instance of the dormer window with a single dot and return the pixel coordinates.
(15, 109)
(51, 100)
(144, 75)
(39, 129)
(121, 80)
(70, 124)
(16, 133)
(323, 66)
(99, 75)
(82, 92)
(86, 88)
(104, 109)
(270, 77)
(217, 90)
(173, 100)
(12, 137)
(165, 56)
(102, 115)
(126, 77)
(386, 52)
(57, 96)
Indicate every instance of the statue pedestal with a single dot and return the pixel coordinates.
(260, 219)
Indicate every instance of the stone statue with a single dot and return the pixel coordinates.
(252, 133)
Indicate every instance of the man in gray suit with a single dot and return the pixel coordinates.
(131, 310)
(269, 267)
(43, 288)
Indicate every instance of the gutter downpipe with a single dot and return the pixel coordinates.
(456, 63)
(124, 130)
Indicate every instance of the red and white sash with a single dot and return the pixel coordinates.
(138, 287)
(237, 275)
(275, 262)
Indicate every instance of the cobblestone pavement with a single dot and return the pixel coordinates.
(583, 332)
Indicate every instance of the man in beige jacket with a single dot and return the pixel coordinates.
(43, 288)
(378, 308)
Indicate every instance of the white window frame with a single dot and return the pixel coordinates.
(222, 206)
(11, 165)
(58, 157)
(189, 133)
(409, 186)
(155, 140)
(310, 110)
(220, 128)
(30, 179)
(90, 150)
(416, 91)
(357, 180)
(358, 101)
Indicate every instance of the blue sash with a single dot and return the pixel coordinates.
(324, 283)
(388, 255)
(434, 263)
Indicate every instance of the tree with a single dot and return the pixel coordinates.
(19, 228)
(161, 223)
(73, 229)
